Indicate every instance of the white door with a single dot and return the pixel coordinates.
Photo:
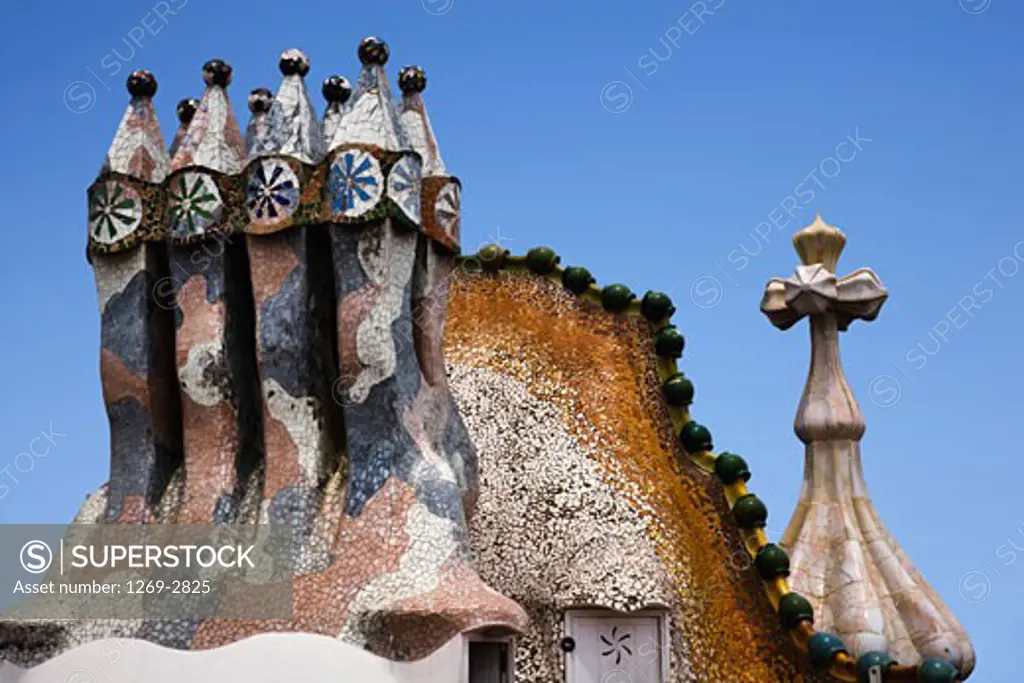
(613, 648)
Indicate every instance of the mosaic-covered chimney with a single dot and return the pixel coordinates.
(861, 584)
(274, 306)
(129, 259)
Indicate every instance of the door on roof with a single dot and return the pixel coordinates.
(611, 647)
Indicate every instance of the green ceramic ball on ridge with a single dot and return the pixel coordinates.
(771, 562)
(936, 671)
(492, 257)
(750, 512)
(870, 660)
(730, 468)
(577, 279)
(696, 437)
(823, 648)
(616, 298)
(542, 260)
(656, 306)
(669, 342)
(678, 390)
(794, 609)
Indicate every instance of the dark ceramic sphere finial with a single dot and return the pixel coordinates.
(217, 72)
(412, 80)
(187, 109)
(373, 50)
(294, 62)
(260, 100)
(141, 84)
(336, 89)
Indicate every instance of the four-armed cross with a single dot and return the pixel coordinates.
(828, 410)
(861, 585)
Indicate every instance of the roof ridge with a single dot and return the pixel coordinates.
(826, 651)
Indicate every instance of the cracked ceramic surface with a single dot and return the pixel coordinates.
(292, 127)
(861, 584)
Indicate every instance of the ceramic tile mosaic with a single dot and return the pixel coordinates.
(272, 191)
(115, 212)
(213, 139)
(441, 196)
(370, 118)
(404, 186)
(585, 498)
(258, 132)
(356, 183)
(854, 573)
(136, 336)
(136, 343)
(416, 122)
(138, 148)
(297, 401)
(293, 128)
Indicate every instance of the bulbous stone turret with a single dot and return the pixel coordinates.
(860, 582)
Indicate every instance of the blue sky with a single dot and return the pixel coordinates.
(655, 147)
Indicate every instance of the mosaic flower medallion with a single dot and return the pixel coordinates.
(404, 186)
(272, 192)
(115, 211)
(355, 183)
(193, 203)
(448, 209)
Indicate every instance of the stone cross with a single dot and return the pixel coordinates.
(863, 587)
(828, 410)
